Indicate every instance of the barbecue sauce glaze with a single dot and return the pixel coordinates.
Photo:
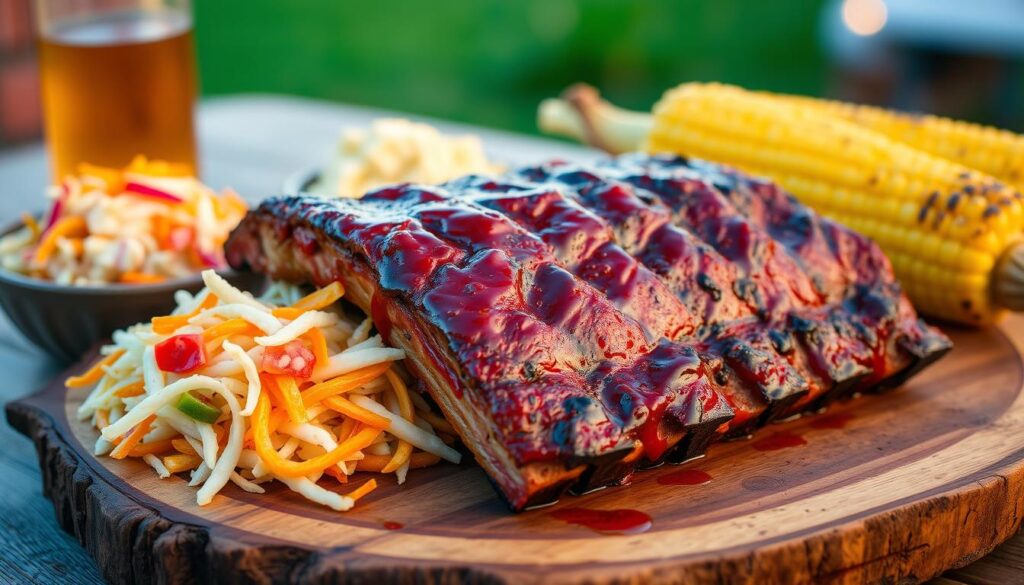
(648, 300)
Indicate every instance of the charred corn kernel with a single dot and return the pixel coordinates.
(946, 227)
(996, 152)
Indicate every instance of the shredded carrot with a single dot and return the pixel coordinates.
(158, 168)
(321, 298)
(93, 374)
(181, 462)
(32, 225)
(77, 246)
(222, 434)
(183, 446)
(170, 323)
(344, 383)
(227, 202)
(229, 328)
(437, 422)
(401, 394)
(353, 410)
(291, 398)
(151, 447)
(404, 449)
(102, 419)
(400, 457)
(289, 313)
(280, 466)
(367, 487)
(318, 343)
(67, 227)
(220, 207)
(132, 438)
(270, 389)
(348, 426)
(215, 347)
(112, 177)
(336, 474)
(234, 200)
(161, 227)
(277, 418)
(134, 277)
(133, 389)
(376, 463)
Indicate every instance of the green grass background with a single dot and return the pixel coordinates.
(490, 62)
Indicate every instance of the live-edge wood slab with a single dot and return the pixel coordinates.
(920, 480)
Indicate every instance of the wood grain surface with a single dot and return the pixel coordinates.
(252, 143)
(920, 480)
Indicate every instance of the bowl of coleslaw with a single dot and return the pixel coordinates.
(111, 249)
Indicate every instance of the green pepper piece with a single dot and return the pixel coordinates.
(198, 409)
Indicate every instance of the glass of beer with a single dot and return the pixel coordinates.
(118, 80)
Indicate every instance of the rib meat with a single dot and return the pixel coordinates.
(575, 323)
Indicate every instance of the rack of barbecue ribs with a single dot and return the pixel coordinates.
(576, 323)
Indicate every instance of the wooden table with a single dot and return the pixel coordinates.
(252, 143)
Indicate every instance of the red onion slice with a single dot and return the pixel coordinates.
(152, 192)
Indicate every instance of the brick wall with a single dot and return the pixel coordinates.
(20, 111)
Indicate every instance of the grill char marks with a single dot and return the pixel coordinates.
(766, 385)
(591, 250)
(826, 272)
(576, 323)
(594, 298)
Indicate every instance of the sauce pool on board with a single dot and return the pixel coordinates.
(685, 477)
(389, 525)
(836, 420)
(622, 521)
(779, 440)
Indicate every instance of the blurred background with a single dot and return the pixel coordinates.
(490, 62)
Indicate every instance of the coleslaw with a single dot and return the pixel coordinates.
(145, 223)
(285, 387)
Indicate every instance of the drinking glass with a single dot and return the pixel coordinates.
(118, 80)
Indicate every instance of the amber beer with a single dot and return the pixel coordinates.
(116, 85)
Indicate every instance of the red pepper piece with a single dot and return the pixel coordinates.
(292, 358)
(181, 353)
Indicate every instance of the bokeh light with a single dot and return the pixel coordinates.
(864, 17)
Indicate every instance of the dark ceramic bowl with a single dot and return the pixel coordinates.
(65, 321)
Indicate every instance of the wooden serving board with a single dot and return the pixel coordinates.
(919, 480)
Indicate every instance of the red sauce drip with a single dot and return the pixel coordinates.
(780, 440)
(389, 525)
(379, 313)
(624, 521)
(838, 420)
(654, 444)
(685, 477)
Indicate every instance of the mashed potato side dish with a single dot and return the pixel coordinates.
(400, 151)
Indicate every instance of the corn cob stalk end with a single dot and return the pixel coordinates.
(1009, 280)
(581, 114)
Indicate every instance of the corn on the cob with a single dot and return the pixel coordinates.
(999, 153)
(953, 234)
